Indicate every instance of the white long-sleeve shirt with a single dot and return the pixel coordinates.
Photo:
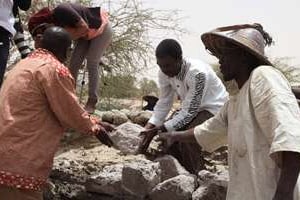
(6, 16)
(198, 88)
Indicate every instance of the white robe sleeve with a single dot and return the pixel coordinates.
(276, 110)
(212, 134)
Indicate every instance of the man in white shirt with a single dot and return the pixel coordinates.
(7, 29)
(260, 124)
(201, 92)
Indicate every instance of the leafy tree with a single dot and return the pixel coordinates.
(291, 72)
(131, 45)
(118, 86)
(147, 86)
(131, 49)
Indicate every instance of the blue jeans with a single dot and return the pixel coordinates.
(4, 51)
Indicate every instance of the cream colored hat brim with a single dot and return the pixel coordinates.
(214, 41)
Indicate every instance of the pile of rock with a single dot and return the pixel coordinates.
(135, 179)
(110, 174)
(118, 117)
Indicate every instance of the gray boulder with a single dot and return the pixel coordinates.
(126, 137)
(139, 178)
(115, 117)
(126, 112)
(73, 169)
(221, 178)
(170, 167)
(180, 187)
(119, 117)
(140, 118)
(210, 191)
(108, 181)
(212, 186)
(108, 117)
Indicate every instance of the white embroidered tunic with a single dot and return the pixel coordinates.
(198, 88)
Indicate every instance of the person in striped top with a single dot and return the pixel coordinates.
(200, 91)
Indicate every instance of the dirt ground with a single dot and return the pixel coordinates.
(103, 155)
(94, 151)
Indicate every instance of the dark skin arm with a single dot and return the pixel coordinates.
(296, 92)
(150, 132)
(178, 136)
(289, 175)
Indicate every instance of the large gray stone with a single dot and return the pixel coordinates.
(119, 117)
(108, 181)
(126, 137)
(180, 187)
(210, 191)
(140, 177)
(212, 186)
(140, 118)
(115, 117)
(126, 112)
(220, 178)
(108, 116)
(72, 170)
(69, 171)
(170, 167)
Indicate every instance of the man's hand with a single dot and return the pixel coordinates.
(101, 133)
(149, 126)
(168, 138)
(100, 130)
(176, 136)
(107, 126)
(103, 137)
(147, 135)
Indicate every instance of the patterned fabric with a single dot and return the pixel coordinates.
(195, 102)
(37, 102)
(49, 57)
(184, 69)
(12, 193)
(21, 182)
(63, 71)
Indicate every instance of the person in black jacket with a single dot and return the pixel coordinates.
(7, 29)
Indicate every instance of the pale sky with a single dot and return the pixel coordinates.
(279, 18)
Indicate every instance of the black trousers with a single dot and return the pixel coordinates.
(4, 51)
(190, 155)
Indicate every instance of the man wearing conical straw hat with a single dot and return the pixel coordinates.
(260, 124)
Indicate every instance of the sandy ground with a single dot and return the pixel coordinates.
(93, 151)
